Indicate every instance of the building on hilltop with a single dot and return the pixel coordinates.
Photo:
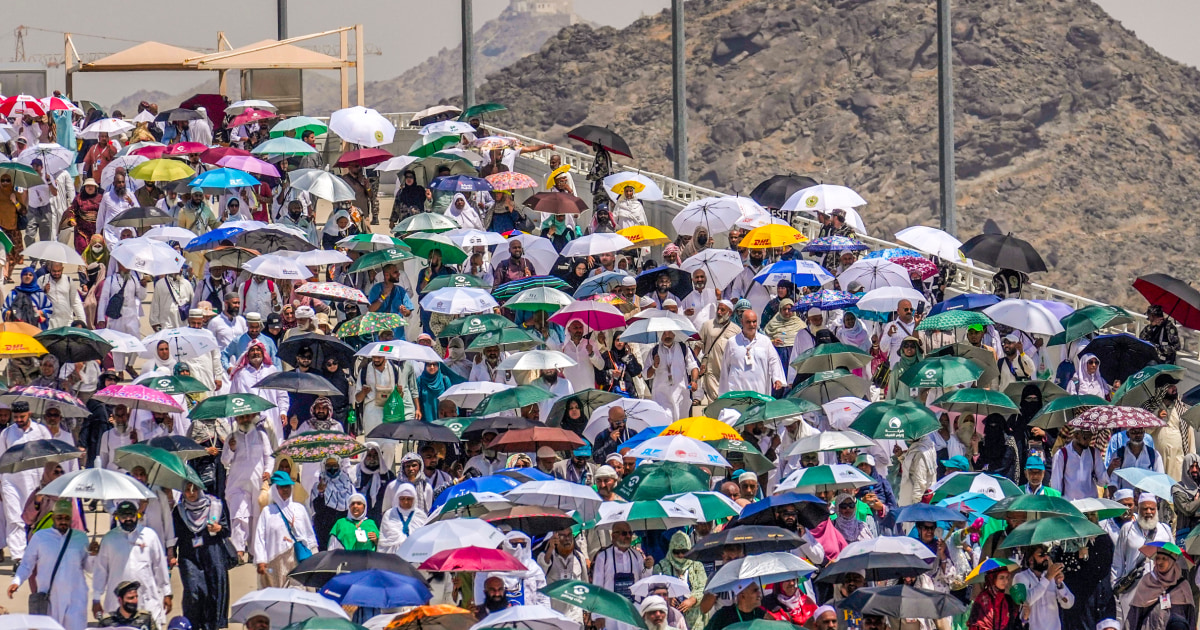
(542, 7)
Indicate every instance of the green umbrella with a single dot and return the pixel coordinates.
(425, 222)
(823, 387)
(655, 480)
(1139, 388)
(708, 506)
(1054, 414)
(299, 124)
(480, 109)
(977, 401)
(825, 478)
(1049, 389)
(957, 483)
(828, 356)
(737, 400)
(371, 243)
(22, 176)
(476, 324)
(589, 400)
(950, 320)
(456, 280)
(539, 299)
(983, 357)
(507, 338)
(1088, 320)
(1034, 505)
(895, 420)
(941, 372)
(163, 468)
(383, 257)
(458, 425)
(229, 406)
(775, 410)
(742, 454)
(758, 624)
(515, 398)
(175, 384)
(426, 146)
(1102, 508)
(73, 345)
(594, 599)
(1051, 529)
(369, 323)
(509, 289)
(424, 245)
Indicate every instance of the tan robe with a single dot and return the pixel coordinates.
(1168, 441)
(712, 348)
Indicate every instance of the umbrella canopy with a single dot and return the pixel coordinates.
(801, 273)
(776, 190)
(875, 565)
(765, 568)
(755, 539)
(513, 398)
(1177, 298)
(702, 428)
(933, 241)
(823, 198)
(896, 420)
(555, 202)
(1056, 413)
(810, 512)
(829, 441)
(35, 454)
(1051, 529)
(469, 394)
(942, 372)
(229, 406)
(322, 346)
(42, 398)
(1116, 418)
(1156, 483)
(283, 146)
(1049, 389)
(528, 617)
(830, 356)
(1142, 385)
(980, 402)
(72, 345)
(299, 124)
(539, 299)
(162, 170)
(886, 299)
(470, 505)
(596, 599)
(456, 280)
(138, 397)
(644, 515)
(98, 484)
(362, 126)
(506, 339)
(965, 302)
(825, 478)
(903, 601)
(414, 430)
(17, 621)
(772, 236)
(951, 320)
(559, 494)
(370, 323)
(589, 401)
(823, 387)
(182, 343)
(147, 256)
(284, 606)
(774, 411)
(315, 446)
(472, 559)
(738, 400)
(322, 184)
(163, 468)
(678, 448)
(594, 136)
(458, 301)
(1004, 251)
(533, 520)
(706, 506)
(184, 447)
(596, 244)
(1088, 320)
(1032, 506)
(1102, 508)
(957, 483)
(224, 178)
(536, 360)
(835, 244)
(655, 480)
(53, 251)
(434, 538)
(374, 588)
(874, 273)
(1024, 315)
(720, 265)
(363, 157)
(595, 316)
(299, 382)
(523, 440)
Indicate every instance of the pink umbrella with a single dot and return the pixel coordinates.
(152, 152)
(251, 115)
(186, 148)
(923, 266)
(594, 315)
(472, 559)
(138, 397)
(249, 165)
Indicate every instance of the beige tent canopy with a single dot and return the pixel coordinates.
(150, 56)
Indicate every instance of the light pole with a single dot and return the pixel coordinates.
(281, 17)
(949, 220)
(468, 54)
(679, 90)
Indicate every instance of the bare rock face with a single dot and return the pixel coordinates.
(1068, 128)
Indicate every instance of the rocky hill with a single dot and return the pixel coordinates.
(1070, 131)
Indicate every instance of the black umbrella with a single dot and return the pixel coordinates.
(273, 238)
(74, 345)
(323, 347)
(299, 382)
(681, 281)
(556, 203)
(592, 135)
(413, 430)
(771, 193)
(534, 520)
(811, 511)
(1177, 298)
(754, 538)
(479, 426)
(903, 601)
(1004, 251)
(321, 567)
(876, 565)
(588, 399)
(184, 447)
(178, 114)
(1121, 355)
(36, 454)
(142, 216)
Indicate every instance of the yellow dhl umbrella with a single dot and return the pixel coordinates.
(161, 170)
(16, 345)
(565, 168)
(772, 235)
(702, 428)
(644, 236)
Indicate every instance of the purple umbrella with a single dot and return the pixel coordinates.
(249, 164)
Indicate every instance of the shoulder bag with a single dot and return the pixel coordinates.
(301, 550)
(39, 603)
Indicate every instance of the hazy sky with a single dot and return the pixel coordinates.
(405, 31)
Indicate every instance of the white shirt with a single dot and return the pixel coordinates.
(226, 329)
(920, 471)
(1044, 599)
(744, 286)
(271, 536)
(1127, 553)
(110, 441)
(64, 296)
(138, 555)
(583, 374)
(69, 594)
(111, 206)
(750, 365)
(1076, 475)
(561, 387)
(891, 341)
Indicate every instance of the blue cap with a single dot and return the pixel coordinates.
(280, 478)
(197, 189)
(582, 451)
(1035, 463)
(958, 462)
(179, 623)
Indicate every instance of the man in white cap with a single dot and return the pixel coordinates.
(628, 292)
(206, 368)
(898, 330)
(1014, 364)
(1113, 525)
(654, 612)
(750, 362)
(305, 322)
(825, 618)
(700, 305)
(714, 336)
(1078, 468)
(1127, 555)
(546, 459)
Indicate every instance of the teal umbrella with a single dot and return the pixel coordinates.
(951, 320)
(515, 398)
(1139, 388)
(1056, 413)
(737, 400)
(941, 372)
(656, 480)
(476, 324)
(980, 402)
(828, 356)
(775, 410)
(1088, 320)
(895, 420)
(507, 339)
(1044, 531)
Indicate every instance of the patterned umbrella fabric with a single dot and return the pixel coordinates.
(370, 323)
(42, 398)
(1116, 419)
(826, 300)
(893, 253)
(315, 446)
(332, 291)
(509, 289)
(138, 397)
(511, 180)
(923, 266)
(491, 143)
(949, 320)
(835, 244)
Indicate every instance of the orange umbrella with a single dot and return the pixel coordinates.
(20, 327)
(526, 440)
(772, 235)
(436, 617)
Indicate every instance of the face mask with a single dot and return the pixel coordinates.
(129, 608)
(294, 215)
(97, 248)
(129, 525)
(332, 471)
(702, 239)
(489, 453)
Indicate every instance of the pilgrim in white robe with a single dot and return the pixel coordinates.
(247, 454)
(273, 540)
(750, 365)
(15, 488)
(69, 593)
(132, 556)
(669, 385)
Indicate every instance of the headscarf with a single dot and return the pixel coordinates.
(357, 496)
(412, 519)
(1090, 383)
(523, 554)
(32, 286)
(468, 216)
(850, 528)
(965, 432)
(195, 513)
(338, 490)
(679, 540)
(783, 328)
(48, 474)
(369, 478)
(1186, 479)
(830, 538)
(856, 335)
(994, 603)
(413, 195)
(331, 227)
(896, 389)
(1153, 584)
(457, 359)
(430, 387)
(995, 442)
(245, 358)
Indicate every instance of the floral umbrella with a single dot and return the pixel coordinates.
(893, 253)
(491, 143)
(923, 266)
(42, 398)
(370, 323)
(138, 397)
(835, 244)
(1116, 419)
(315, 446)
(826, 300)
(332, 291)
(511, 180)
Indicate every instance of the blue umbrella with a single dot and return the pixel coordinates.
(492, 483)
(965, 302)
(212, 239)
(374, 588)
(523, 475)
(926, 513)
(810, 510)
(802, 273)
(976, 502)
(598, 284)
(224, 178)
(1155, 483)
(894, 252)
(870, 316)
(642, 436)
(460, 183)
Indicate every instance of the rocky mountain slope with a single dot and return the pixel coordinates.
(1070, 131)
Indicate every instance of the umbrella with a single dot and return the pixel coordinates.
(322, 184)
(215, 154)
(951, 320)
(16, 621)
(458, 301)
(1056, 413)
(72, 345)
(589, 401)
(702, 428)
(370, 242)
(1049, 389)
(980, 402)
(720, 265)
(470, 505)
(536, 360)
(472, 559)
(283, 146)
(596, 244)
(527, 440)
(249, 164)
(1116, 418)
(451, 127)
(1102, 508)
(875, 565)
(873, 273)
(772, 236)
(678, 448)
(655, 480)
(225, 178)
(469, 394)
(829, 441)
(774, 411)
(121, 342)
(825, 478)
(55, 157)
(1088, 320)
(299, 382)
(363, 157)
(594, 315)
(509, 180)
(823, 387)
(374, 588)
(143, 255)
(538, 251)
(755, 539)
(414, 430)
(163, 468)
(903, 601)
(138, 397)
(317, 623)
(555, 202)
(960, 482)
(824, 198)
(98, 484)
(183, 447)
(424, 245)
(765, 568)
(648, 330)
(53, 251)
(124, 163)
(965, 302)
(299, 124)
(35, 454)
(277, 267)
(539, 299)
(932, 241)
(1024, 315)
(1177, 298)
(399, 350)
(1126, 358)
(830, 356)
(644, 515)
(826, 300)
(42, 398)
(706, 506)
(643, 187)
(776, 190)
(315, 446)
(362, 126)
(495, 484)
(1051, 529)
(594, 136)
(16, 345)
(717, 215)
(810, 512)
(737, 400)
(557, 493)
(370, 323)
(183, 343)
(381, 258)
(835, 244)
(323, 347)
(742, 454)
(1003, 252)
(1155, 483)
(332, 291)
(644, 236)
(161, 170)
(509, 289)
(506, 339)
(140, 217)
(513, 398)
(229, 406)
(528, 617)
(991, 564)
(1033, 506)
(22, 176)
(533, 520)
(170, 234)
(456, 280)
(460, 183)
(802, 273)
(596, 599)
(22, 104)
(284, 606)
(887, 299)
(944, 372)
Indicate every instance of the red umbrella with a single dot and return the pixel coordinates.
(1116, 419)
(251, 115)
(22, 104)
(186, 148)
(526, 440)
(214, 155)
(472, 559)
(213, 104)
(556, 203)
(364, 157)
(152, 152)
(1177, 298)
(923, 266)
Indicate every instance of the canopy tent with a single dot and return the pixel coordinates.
(143, 57)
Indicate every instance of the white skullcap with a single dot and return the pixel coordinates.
(1108, 624)
(747, 476)
(670, 302)
(651, 604)
(1146, 497)
(1124, 493)
(815, 312)
(822, 610)
(605, 472)
(726, 303)
(628, 281)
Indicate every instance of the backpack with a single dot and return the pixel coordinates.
(23, 308)
(1120, 453)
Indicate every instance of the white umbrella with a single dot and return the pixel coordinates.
(465, 238)
(540, 251)
(1024, 315)
(536, 360)
(596, 244)
(679, 448)
(277, 267)
(458, 301)
(668, 515)
(637, 331)
(759, 220)
(28, 622)
(873, 273)
(397, 164)
(843, 411)
(243, 105)
(539, 295)
(855, 221)
(110, 126)
(98, 484)
(825, 478)
(144, 116)
(528, 617)
(691, 501)
(147, 256)
(323, 184)
(932, 241)
(484, 502)
(168, 233)
(474, 158)
(720, 265)
(399, 350)
(54, 251)
(381, 622)
(185, 343)
(557, 493)
(763, 568)
(246, 225)
(316, 258)
(55, 157)
(888, 544)
(886, 299)
(453, 534)
(434, 111)
(716, 214)
(826, 441)
(675, 586)
(468, 395)
(284, 606)
(126, 162)
(823, 198)
(362, 126)
(451, 127)
(650, 190)
(640, 414)
(122, 342)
